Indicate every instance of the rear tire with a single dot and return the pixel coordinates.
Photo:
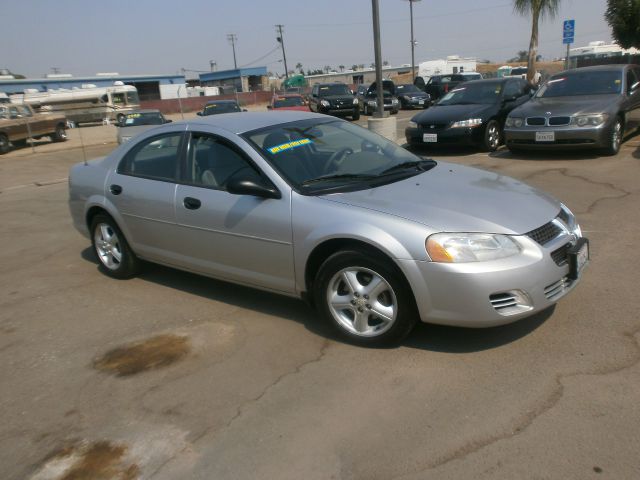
(365, 298)
(60, 135)
(114, 254)
(4, 144)
(356, 116)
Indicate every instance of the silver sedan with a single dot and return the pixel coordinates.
(312, 206)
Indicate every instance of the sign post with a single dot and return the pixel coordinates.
(568, 34)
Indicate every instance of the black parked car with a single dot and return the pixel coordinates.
(474, 113)
(368, 97)
(334, 99)
(215, 107)
(411, 96)
(439, 85)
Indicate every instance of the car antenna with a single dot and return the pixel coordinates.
(84, 153)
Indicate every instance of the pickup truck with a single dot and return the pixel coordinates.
(19, 123)
(439, 85)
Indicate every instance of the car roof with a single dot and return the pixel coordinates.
(145, 110)
(491, 80)
(596, 68)
(212, 102)
(241, 122)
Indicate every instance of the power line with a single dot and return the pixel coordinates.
(277, 47)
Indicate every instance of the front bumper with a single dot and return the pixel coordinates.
(415, 102)
(346, 111)
(479, 294)
(569, 137)
(445, 136)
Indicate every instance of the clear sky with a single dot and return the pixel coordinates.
(83, 37)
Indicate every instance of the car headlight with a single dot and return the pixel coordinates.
(472, 122)
(590, 120)
(570, 219)
(514, 122)
(394, 101)
(412, 124)
(470, 247)
(325, 103)
(355, 101)
(372, 103)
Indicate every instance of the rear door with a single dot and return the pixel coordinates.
(241, 238)
(142, 189)
(632, 101)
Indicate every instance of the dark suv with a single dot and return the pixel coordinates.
(439, 85)
(368, 97)
(334, 99)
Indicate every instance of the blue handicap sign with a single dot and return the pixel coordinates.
(567, 40)
(569, 26)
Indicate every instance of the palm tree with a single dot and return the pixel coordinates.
(341, 67)
(538, 9)
(299, 67)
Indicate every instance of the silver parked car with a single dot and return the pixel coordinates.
(591, 107)
(312, 206)
(139, 121)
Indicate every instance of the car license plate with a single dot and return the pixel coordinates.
(545, 137)
(420, 102)
(578, 258)
(430, 137)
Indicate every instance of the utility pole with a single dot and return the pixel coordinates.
(280, 39)
(233, 38)
(379, 113)
(413, 42)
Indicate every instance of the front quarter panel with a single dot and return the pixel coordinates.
(316, 220)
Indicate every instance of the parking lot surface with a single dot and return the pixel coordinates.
(170, 375)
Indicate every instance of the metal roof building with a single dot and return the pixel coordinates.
(243, 79)
(150, 87)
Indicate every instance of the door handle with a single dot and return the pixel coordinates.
(115, 189)
(191, 203)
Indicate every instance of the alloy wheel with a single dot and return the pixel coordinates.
(362, 302)
(108, 246)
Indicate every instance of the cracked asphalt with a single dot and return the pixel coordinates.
(264, 391)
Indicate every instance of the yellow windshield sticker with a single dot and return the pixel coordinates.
(134, 115)
(618, 82)
(288, 145)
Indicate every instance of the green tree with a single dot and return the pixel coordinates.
(537, 9)
(623, 16)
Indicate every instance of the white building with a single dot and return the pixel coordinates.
(452, 64)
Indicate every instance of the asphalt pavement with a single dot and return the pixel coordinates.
(174, 376)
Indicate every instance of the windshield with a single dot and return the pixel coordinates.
(582, 83)
(288, 102)
(473, 93)
(319, 155)
(223, 107)
(333, 90)
(518, 71)
(400, 89)
(149, 118)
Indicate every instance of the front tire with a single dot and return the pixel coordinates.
(115, 256)
(356, 116)
(365, 298)
(615, 138)
(492, 136)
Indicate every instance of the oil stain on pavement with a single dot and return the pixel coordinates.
(155, 352)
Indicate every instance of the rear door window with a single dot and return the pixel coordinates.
(155, 158)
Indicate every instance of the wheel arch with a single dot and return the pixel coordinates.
(325, 249)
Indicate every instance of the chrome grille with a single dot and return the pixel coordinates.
(560, 255)
(545, 233)
(537, 121)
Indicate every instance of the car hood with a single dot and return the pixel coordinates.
(452, 113)
(567, 105)
(135, 130)
(456, 198)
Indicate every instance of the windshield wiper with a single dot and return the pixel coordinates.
(422, 165)
(340, 176)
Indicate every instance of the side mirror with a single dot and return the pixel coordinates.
(269, 107)
(244, 110)
(166, 120)
(199, 114)
(243, 184)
